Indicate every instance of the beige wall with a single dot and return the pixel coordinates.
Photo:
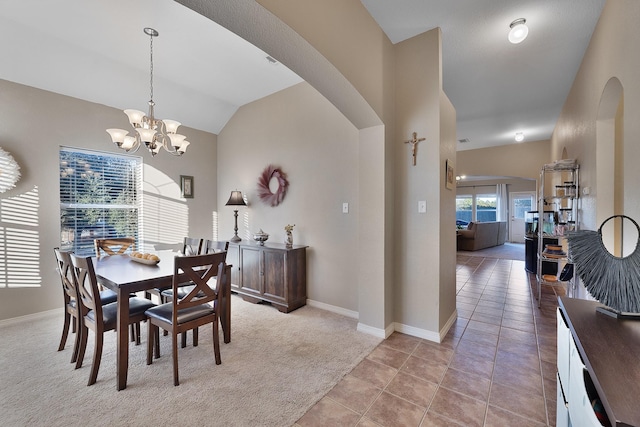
(517, 160)
(423, 253)
(610, 58)
(308, 138)
(343, 33)
(36, 123)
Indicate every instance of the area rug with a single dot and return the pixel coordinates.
(513, 251)
(276, 367)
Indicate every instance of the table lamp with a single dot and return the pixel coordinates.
(236, 200)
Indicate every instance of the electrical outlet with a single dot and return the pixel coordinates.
(422, 206)
(345, 207)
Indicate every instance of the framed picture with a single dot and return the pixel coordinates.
(186, 185)
(450, 176)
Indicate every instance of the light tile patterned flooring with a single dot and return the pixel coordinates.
(495, 367)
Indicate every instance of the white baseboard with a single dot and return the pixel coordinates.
(334, 309)
(376, 332)
(386, 332)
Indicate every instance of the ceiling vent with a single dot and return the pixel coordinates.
(463, 141)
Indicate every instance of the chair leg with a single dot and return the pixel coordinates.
(174, 343)
(132, 333)
(183, 337)
(156, 335)
(65, 331)
(151, 335)
(195, 337)
(76, 344)
(137, 333)
(84, 332)
(216, 342)
(97, 356)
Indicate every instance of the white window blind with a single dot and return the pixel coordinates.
(100, 197)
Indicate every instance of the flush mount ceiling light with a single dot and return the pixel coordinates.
(519, 136)
(519, 31)
(155, 133)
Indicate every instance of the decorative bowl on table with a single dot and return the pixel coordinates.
(260, 237)
(144, 258)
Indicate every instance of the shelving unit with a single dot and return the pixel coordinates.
(558, 203)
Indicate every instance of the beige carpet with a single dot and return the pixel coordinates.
(275, 368)
(513, 251)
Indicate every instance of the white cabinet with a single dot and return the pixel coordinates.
(581, 392)
(562, 411)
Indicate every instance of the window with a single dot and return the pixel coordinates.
(478, 207)
(464, 211)
(486, 207)
(100, 197)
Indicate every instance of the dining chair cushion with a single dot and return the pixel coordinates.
(110, 311)
(164, 312)
(108, 296)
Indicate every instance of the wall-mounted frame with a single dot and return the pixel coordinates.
(186, 186)
(450, 175)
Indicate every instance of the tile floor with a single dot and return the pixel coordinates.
(495, 367)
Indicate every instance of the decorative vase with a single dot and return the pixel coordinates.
(288, 240)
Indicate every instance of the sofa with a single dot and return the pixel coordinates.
(480, 235)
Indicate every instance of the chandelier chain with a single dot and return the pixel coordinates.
(151, 66)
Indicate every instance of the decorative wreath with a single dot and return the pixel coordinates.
(264, 192)
(9, 171)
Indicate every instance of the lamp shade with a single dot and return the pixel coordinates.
(236, 199)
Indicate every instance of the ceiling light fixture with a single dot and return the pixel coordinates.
(519, 136)
(519, 31)
(155, 133)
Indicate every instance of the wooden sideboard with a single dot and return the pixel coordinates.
(598, 356)
(271, 273)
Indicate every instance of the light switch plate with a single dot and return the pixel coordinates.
(345, 207)
(422, 206)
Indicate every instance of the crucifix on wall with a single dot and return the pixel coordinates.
(414, 145)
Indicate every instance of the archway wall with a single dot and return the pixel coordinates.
(337, 47)
(610, 54)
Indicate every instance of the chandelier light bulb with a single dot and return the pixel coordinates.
(519, 31)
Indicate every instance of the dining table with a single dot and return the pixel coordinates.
(124, 276)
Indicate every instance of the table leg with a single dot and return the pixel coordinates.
(123, 339)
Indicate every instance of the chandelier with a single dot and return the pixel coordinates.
(153, 132)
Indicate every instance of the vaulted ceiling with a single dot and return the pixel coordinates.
(97, 51)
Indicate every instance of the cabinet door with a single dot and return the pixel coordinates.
(274, 275)
(250, 277)
(233, 258)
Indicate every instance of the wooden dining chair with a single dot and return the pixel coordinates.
(114, 246)
(95, 316)
(183, 290)
(199, 307)
(70, 295)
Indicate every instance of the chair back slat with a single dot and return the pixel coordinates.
(63, 260)
(87, 285)
(192, 246)
(213, 246)
(114, 246)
